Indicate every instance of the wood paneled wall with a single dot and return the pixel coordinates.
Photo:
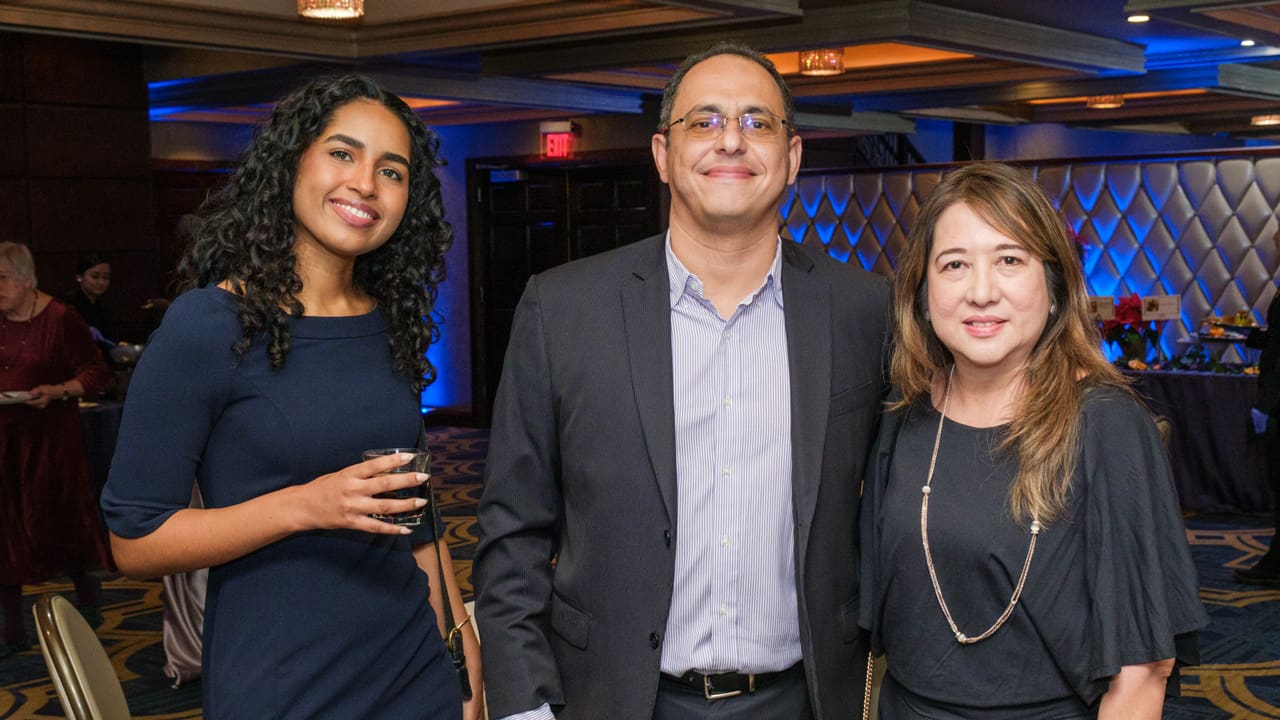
(75, 175)
(181, 187)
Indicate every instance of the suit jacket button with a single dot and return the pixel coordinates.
(653, 640)
(666, 537)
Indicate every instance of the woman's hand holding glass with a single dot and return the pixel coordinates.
(347, 498)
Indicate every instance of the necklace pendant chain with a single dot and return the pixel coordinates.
(928, 553)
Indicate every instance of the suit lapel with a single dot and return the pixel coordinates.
(646, 314)
(807, 309)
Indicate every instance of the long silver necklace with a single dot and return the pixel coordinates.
(4, 335)
(928, 554)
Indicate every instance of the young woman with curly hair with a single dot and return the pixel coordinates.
(300, 341)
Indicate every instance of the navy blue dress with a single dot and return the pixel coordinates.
(322, 624)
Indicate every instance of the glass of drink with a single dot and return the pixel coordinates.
(419, 463)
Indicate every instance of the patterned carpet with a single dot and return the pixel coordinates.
(1241, 648)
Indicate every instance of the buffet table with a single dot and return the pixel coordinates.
(1218, 462)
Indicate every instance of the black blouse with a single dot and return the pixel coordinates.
(95, 314)
(1111, 582)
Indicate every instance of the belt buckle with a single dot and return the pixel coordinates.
(708, 694)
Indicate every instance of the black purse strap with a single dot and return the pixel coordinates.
(445, 601)
(453, 634)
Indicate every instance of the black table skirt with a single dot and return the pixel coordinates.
(1218, 461)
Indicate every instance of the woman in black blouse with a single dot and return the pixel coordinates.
(1023, 551)
(93, 279)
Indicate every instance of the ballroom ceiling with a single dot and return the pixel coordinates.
(466, 61)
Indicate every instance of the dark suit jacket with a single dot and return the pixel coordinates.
(575, 564)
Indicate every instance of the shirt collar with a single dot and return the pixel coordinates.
(683, 281)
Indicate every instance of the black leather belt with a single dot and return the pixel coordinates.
(726, 685)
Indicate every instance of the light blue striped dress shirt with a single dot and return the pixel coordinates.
(734, 608)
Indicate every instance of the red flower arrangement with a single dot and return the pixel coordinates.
(1128, 331)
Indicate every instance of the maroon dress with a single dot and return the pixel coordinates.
(49, 522)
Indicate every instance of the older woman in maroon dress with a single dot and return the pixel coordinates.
(49, 523)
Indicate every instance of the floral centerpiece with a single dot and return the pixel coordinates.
(1127, 331)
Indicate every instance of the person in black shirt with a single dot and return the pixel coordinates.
(93, 279)
(1023, 552)
(1265, 413)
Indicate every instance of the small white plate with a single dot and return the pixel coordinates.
(13, 397)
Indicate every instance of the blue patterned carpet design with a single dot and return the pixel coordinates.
(1240, 650)
(1238, 680)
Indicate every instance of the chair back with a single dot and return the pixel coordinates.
(82, 673)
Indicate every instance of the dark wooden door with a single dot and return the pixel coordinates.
(528, 219)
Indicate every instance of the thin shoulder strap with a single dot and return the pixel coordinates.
(445, 602)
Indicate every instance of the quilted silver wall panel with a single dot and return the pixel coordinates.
(1199, 227)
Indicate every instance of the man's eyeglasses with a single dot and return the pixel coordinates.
(754, 126)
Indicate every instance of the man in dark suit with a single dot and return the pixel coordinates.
(671, 497)
(1266, 419)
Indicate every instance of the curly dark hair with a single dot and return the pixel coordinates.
(244, 232)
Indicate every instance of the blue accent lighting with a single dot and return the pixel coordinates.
(811, 205)
(824, 230)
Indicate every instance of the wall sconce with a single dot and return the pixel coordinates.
(1104, 102)
(331, 9)
(827, 61)
(1265, 120)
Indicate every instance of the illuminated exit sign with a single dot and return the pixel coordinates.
(557, 145)
(557, 138)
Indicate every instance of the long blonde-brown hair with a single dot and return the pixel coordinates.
(1066, 360)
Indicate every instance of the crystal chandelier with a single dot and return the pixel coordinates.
(331, 9)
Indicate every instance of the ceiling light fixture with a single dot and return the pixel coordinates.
(827, 61)
(1104, 102)
(1247, 43)
(331, 9)
(1139, 18)
(1265, 120)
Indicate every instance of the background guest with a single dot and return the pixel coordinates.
(1265, 413)
(49, 523)
(93, 279)
(1023, 549)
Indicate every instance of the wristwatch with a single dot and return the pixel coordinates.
(65, 394)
